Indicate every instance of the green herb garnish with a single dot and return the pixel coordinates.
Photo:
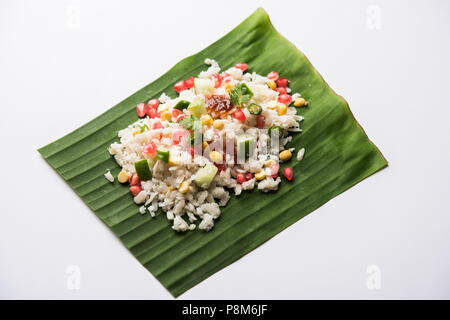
(191, 123)
(143, 128)
(240, 95)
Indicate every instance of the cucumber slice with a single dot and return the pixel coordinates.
(143, 170)
(197, 108)
(203, 86)
(162, 154)
(205, 175)
(245, 146)
(182, 104)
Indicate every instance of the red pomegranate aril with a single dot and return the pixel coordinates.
(242, 66)
(281, 90)
(177, 135)
(273, 76)
(134, 180)
(240, 177)
(158, 114)
(217, 80)
(282, 82)
(285, 98)
(151, 113)
(248, 176)
(189, 83)
(274, 170)
(135, 190)
(175, 113)
(150, 149)
(260, 121)
(179, 86)
(157, 125)
(141, 109)
(153, 104)
(239, 115)
(288, 173)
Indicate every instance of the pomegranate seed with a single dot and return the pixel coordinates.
(242, 66)
(158, 114)
(240, 177)
(273, 76)
(192, 150)
(189, 83)
(157, 125)
(153, 104)
(248, 176)
(239, 115)
(285, 98)
(281, 90)
(175, 113)
(179, 86)
(217, 80)
(282, 82)
(135, 190)
(260, 121)
(134, 181)
(150, 149)
(141, 109)
(274, 170)
(177, 135)
(288, 173)
(181, 117)
(151, 113)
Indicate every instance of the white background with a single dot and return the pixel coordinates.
(62, 63)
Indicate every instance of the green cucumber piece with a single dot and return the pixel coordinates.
(143, 170)
(182, 104)
(205, 175)
(162, 154)
(197, 108)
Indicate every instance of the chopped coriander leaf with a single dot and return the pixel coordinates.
(240, 95)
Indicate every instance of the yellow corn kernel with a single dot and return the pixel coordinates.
(123, 177)
(269, 163)
(260, 175)
(166, 116)
(137, 131)
(272, 84)
(174, 160)
(163, 107)
(205, 145)
(228, 87)
(184, 187)
(281, 109)
(285, 155)
(207, 120)
(216, 157)
(299, 102)
(272, 105)
(218, 124)
(170, 189)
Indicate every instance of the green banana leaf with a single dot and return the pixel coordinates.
(338, 155)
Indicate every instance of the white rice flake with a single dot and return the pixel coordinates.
(109, 176)
(300, 154)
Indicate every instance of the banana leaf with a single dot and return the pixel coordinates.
(338, 155)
